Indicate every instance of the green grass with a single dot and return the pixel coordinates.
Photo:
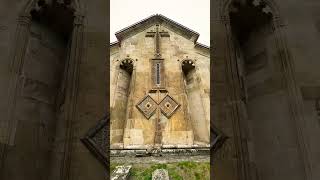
(185, 170)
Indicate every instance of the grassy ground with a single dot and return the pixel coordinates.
(185, 170)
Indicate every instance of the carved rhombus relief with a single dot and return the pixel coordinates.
(217, 138)
(168, 106)
(147, 106)
(97, 139)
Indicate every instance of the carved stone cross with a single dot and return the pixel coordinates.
(158, 100)
(157, 71)
(157, 35)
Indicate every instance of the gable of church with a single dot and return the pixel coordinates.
(160, 87)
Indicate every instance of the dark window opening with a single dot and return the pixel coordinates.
(158, 74)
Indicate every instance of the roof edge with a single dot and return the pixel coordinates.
(132, 25)
(202, 45)
(122, 33)
(114, 43)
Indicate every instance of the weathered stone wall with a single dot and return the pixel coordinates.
(33, 73)
(267, 95)
(8, 24)
(8, 21)
(118, 117)
(41, 128)
(35, 111)
(174, 49)
(280, 105)
(197, 111)
(297, 22)
(91, 89)
(305, 53)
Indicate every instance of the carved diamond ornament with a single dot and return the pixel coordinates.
(168, 106)
(147, 106)
(217, 139)
(97, 140)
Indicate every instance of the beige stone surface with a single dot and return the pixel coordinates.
(50, 99)
(186, 121)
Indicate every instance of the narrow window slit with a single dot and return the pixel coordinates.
(158, 74)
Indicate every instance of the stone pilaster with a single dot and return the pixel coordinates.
(21, 39)
(17, 55)
(293, 94)
(130, 108)
(229, 161)
(71, 92)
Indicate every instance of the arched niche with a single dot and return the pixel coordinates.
(44, 59)
(260, 93)
(196, 106)
(120, 109)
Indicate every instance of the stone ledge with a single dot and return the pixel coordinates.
(160, 152)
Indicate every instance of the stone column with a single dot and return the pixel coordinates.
(130, 109)
(186, 109)
(234, 104)
(8, 124)
(21, 39)
(86, 98)
(203, 96)
(71, 92)
(229, 162)
(293, 94)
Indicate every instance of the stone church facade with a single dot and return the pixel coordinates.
(160, 85)
(55, 69)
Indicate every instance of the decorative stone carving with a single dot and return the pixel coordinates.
(157, 36)
(168, 106)
(147, 106)
(157, 74)
(217, 139)
(97, 139)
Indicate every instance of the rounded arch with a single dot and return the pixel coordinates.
(286, 63)
(59, 16)
(127, 64)
(187, 65)
(75, 5)
(28, 7)
(226, 4)
(188, 60)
